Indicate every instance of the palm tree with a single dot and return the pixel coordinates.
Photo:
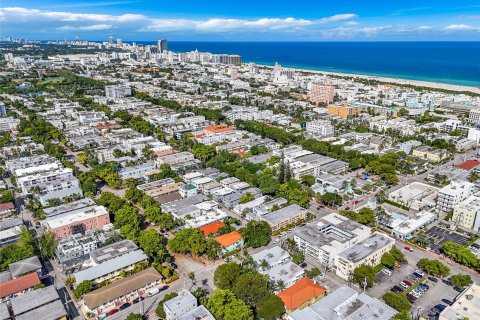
(264, 265)
(280, 285)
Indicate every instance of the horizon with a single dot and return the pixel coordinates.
(251, 21)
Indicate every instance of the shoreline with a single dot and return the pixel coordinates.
(399, 81)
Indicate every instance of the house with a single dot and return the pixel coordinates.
(183, 303)
(366, 252)
(10, 231)
(25, 266)
(211, 228)
(302, 294)
(347, 304)
(285, 216)
(278, 266)
(230, 241)
(6, 210)
(18, 285)
(118, 292)
(39, 304)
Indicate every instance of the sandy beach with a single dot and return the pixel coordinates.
(433, 85)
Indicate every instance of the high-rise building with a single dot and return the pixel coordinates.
(110, 40)
(162, 45)
(322, 92)
(119, 42)
(3, 110)
(235, 59)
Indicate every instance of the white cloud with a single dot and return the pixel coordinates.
(220, 24)
(87, 28)
(351, 23)
(25, 13)
(461, 27)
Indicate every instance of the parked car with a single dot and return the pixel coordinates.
(439, 308)
(397, 289)
(137, 300)
(408, 283)
(447, 302)
(448, 282)
(404, 285)
(409, 249)
(387, 271)
(433, 279)
(124, 306)
(424, 286)
(111, 312)
(411, 298)
(458, 289)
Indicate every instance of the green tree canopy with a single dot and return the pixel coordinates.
(397, 301)
(226, 275)
(224, 305)
(270, 307)
(461, 280)
(364, 272)
(257, 234)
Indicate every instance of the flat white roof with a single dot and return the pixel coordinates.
(75, 216)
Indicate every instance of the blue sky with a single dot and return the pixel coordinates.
(242, 20)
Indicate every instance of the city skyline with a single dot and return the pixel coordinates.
(249, 21)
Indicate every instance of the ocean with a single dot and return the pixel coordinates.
(445, 62)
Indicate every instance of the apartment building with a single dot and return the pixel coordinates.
(26, 183)
(321, 128)
(451, 195)
(366, 252)
(426, 153)
(175, 158)
(334, 233)
(467, 213)
(8, 124)
(344, 111)
(323, 92)
(117, 92)
(285, 216)
(76, 221)
(159, 187)
(28, 162)
(137, 171)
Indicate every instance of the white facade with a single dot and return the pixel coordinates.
(323, 128)
(466, 213)
(117, 92)
(449, 196)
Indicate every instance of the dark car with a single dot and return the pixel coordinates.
(433, 279)
(424, 285)
(447, 302)
(447, 282)
(411, 298)
(439, 308)
(113, 311)
(125, 306)
(137, 300)
(396, 289)
(408, 283)
(458, 289)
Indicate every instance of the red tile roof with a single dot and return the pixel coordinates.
(228, 239)
(7, 206)
(301, 292)
(211, 228)
(218, 128)
(19, 284)
(468, 165)
(165, 152)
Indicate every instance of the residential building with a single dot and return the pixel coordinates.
(175, 158)
(451, 195)
(474, 116)
(75, 248)
(302, 294)
(117, 92)
(111, 268)
(39, 304)
(466, 213)
(344, 111)
(76, 221)
(323, 240)
(404, 226)
(159, 187)
(366, 252)
(112, 251)
(321, 128)
(266, 207)
(8, 124)
(229, 241)
(322, 92)
(25, 266)
(113, 294)
(278, 266)
(176, 307)
(465, 306)
(285, 216)
(137, 171)
(346, 304)
(426, 153)
(3, 110)
(211, 228)
(27, 162)
(10, 231)
(18, 285)
(199, 313)
(416, 195)
(6, 210)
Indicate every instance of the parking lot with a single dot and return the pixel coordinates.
(432, 297)
(437, 236)
(385, 283)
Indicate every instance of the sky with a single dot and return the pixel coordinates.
(242, 20)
